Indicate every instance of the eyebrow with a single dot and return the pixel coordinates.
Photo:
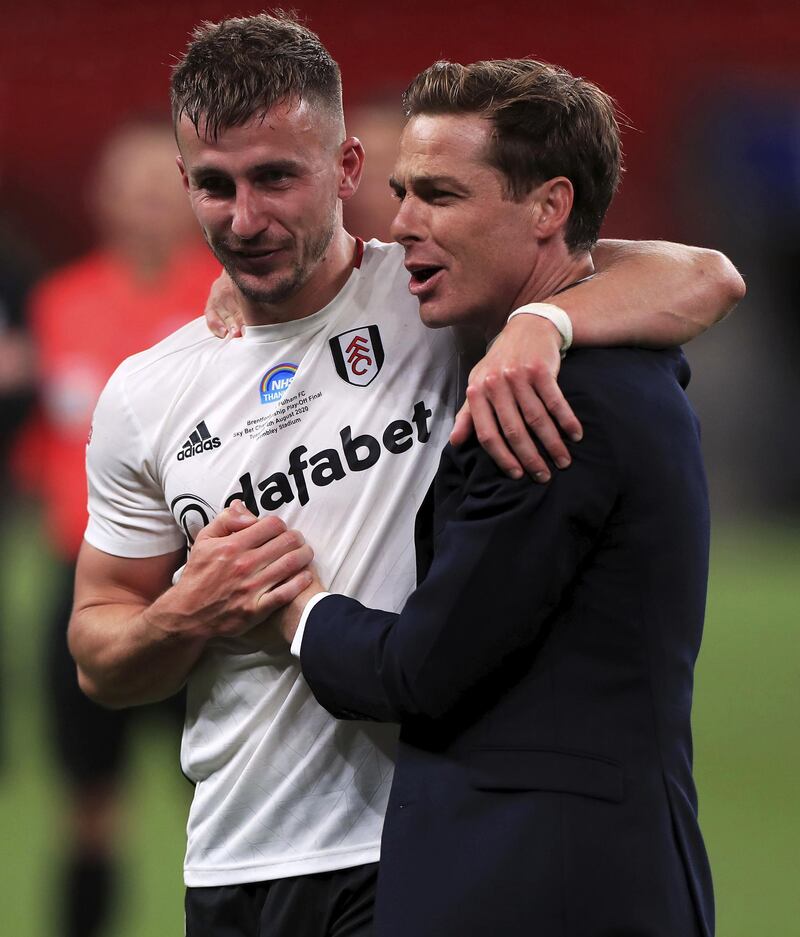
(429, 182)
(273, 165)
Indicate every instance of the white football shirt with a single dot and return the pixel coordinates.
(335, 423)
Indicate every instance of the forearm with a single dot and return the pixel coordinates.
(136, 637)
(354, 685)
(126, 657)
(503, 561)
(651, 294)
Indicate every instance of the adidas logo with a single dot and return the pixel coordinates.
(200, 440)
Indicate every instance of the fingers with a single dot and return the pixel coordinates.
(216, 310)
(282, 593)
(263, 554)
(524, 407)
(463, 426)
(513, 393)
(246, 530)
(223, 314)
(231, 520)
(515, 431)
(234, 326)
(554, 401)
(507, 403)
(263, 531)
(215, 323)
(507, 407)
(281, 557)
(253, 563)
(488, 433)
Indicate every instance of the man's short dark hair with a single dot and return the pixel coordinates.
(243, 66)
(546, 123)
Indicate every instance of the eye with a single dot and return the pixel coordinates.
(217, 186)
(440, 195)
(274, 177)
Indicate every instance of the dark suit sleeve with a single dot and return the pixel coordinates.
(503, 563)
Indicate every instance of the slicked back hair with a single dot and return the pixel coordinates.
(545, 123)
(243, 66)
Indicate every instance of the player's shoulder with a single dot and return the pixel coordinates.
(383, 263)
(609, 372)
(189, 341)
(377, 251)
(633, 394)
(162, 364)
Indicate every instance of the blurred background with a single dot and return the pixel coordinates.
(99, 258)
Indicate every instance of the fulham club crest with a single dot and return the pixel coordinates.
(358, 355)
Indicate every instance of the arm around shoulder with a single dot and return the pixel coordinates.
(652, 294)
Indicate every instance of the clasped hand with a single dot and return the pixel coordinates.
(246, 577)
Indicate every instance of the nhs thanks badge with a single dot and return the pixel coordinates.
(276, 381)
(358, 355)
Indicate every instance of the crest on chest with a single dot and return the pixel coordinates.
(358, 355)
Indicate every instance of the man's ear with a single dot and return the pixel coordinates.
(351, 167)
(551, 204)
(184, 174)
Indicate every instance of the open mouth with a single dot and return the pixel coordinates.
(424, 274)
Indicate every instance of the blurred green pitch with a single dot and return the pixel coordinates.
(747, 753)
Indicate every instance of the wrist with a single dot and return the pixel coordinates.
(163, 624)
(555, 315)
(306, 602)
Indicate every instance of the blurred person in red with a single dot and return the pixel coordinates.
(149, 275)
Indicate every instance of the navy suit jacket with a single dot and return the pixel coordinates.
(542, 675)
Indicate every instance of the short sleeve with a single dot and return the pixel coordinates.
(128, 515)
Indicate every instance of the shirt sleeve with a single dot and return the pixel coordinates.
(128, 515)
(297, 641)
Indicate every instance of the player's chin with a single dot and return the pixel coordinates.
(249, 285)
(438, 315)
(273, 289)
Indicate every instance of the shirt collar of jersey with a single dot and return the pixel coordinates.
(279, 331)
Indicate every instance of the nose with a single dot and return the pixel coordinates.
(249, 219)
(408, 224)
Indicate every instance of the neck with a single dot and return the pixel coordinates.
(552, 272)
(327, 279)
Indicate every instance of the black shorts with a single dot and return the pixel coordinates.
(326, 904)
(89, 741)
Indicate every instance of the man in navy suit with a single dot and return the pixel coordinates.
(542, 670)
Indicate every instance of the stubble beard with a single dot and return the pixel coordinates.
(281, 288)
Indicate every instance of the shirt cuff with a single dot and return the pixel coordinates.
(298, 635)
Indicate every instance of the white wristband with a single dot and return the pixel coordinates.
(554, 314)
